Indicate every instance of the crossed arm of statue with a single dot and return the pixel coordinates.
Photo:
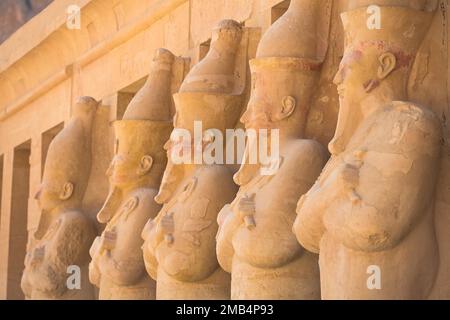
(178, 250)
(184, 232)
(46, 269)
(371, 199)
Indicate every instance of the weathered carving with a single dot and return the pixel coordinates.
(64, 233)
(180, 243)
(255, 242)
(372, 207)
(136, 170)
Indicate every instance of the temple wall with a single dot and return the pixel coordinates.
(44, 66)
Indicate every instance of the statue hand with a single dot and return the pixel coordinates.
(168, 227)
(247, 210)
(348, 176)
(343, 180)
(38, 256)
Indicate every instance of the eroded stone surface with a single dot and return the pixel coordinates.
(65, 233)
(135, 173)
(373, 204)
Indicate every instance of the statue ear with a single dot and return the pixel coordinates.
(388, 62)
(145, 165)
(288, 105)
(67, 191)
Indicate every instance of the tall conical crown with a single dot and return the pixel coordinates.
(208, 92)
(402, 29)
(69, 154)
(298, 33)
(147, 122)
(154, 100)
(215, 73)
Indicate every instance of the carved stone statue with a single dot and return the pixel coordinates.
(60, 246)
(135, 174)
(179, 250)
(370, 214)
(255, 242)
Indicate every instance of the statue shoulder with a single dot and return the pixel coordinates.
(303, 162)
(413, 127)
(420, 117)
(306, 151)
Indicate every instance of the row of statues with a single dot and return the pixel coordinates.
(310, 230)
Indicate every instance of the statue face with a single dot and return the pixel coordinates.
(355, 80)
(262, 114)
(357, 75)
(257, 114)
(47, 196)
(125, 170)
(122, 170)
(358, 81)
(270, 105)
(50, 195)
